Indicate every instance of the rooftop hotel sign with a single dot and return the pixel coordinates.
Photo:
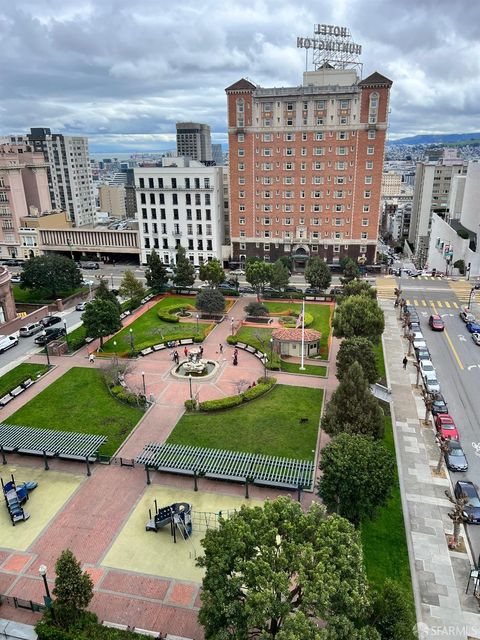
(333, 44)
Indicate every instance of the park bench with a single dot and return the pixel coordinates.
(89, 340)
(241, 345)
(27, 383)
(159, 347)
(5, 400)
(17, 391)
(116, 625)
(147, 351)
(185, 341)
(250, 349)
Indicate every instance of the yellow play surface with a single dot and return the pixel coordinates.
(142, 551)
(53, 491)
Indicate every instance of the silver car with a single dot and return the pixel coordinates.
(30, 329)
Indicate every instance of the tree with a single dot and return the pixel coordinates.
(358, 316)
(271, 571)
(256, 309)
(353, 408)
(102, 292)
(280, 275)
(101, 318)
(358, 288)
(288, 262)
(317, 274)
(131, 288)
(358, 476)
(184, 270)
(258, 274)
(210, 301)
(360, 350)
(73, 588)
(54, 274)
(155, 274)
(393, 615)
(350, 271)
(212, 272)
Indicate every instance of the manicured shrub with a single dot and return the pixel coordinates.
(221, 403)
(256, 391)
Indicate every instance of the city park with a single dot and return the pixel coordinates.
(183, 418)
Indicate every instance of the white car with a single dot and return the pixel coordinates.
(7, 342)
(431, 384)
(418, 340)
(237, 272)
(476, 338)
(427, 368)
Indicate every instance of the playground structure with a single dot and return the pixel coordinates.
(16, 496)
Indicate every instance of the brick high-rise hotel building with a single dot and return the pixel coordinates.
(306, 166)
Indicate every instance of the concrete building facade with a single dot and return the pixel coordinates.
(180, 203)
(306, 167)
(8, 310)
(69, 173)
(194, 141)
(112, 200)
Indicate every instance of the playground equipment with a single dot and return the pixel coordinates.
(15, 496)
(177, 515)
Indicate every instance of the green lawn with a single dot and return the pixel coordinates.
(268, 425)
(148, 329)
(41, 296)
(80, 401)
(21, 373)
(378, 349)
(310, 369)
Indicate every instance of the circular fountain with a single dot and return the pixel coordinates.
(195, 366)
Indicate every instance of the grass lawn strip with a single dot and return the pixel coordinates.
(80, 401)
(269, 425)
(378, 350)
(310, 369)
(13, 378)
(41, 296)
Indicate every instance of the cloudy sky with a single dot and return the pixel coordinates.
(123, 72)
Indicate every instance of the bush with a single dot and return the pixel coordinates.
(256, 309)
(126, 396)
(256, 391)
(308, 321)
(166, 317)
(232, 340)
(221, 403)
(189, 405)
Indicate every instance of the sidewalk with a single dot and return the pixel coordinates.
(439, 575)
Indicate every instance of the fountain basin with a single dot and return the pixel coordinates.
(182, 370)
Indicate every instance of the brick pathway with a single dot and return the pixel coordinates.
(90, 521)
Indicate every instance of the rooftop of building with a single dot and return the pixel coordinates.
(295, 335)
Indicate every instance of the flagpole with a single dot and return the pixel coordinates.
(302, 365)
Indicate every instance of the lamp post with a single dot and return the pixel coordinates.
(111, 279)
(190, 383)
(197, 317)
(271, 351)
(231, 325)
(265, 366)
(132, 343)
(66, 334)
(115, 358)
(48, 355)
(472, 292)
(144, 387)
(42, 570)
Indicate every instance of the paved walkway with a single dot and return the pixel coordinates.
(439, 575)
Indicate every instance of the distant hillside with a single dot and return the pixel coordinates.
(446, 138)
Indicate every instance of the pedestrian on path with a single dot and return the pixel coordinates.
(185, 351)
(235, 359)
(220, 348)
(91, 358)
(405, 362)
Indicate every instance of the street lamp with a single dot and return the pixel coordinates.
(271, 351)
(66, 334)
(89, 289)
(48, 355)
(42, 570)
(111, 278)
(144, 387)
(472, 291)
(190, 382)
(197, 317)
(265, 366)
(132, 343)
(231, 325)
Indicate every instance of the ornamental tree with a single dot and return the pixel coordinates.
(359, 287)
(101, 318)
(280, 275)
(212, 272)
(73, 588)
(317, 274)
(54, 274)
(392, 612)
(103, 292)
(358, 476)
(350, 271)
(357, 349)
(258, 274)
(131, 288)
(155, 274)
(210, 301)
(358, 316)
(353, 408)
(274, 571)
(184, 269)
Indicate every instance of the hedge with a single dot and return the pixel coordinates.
(46, 631)
(167, 314)
(126, 396)
(234, 401)
(308, 320)
(221, 403)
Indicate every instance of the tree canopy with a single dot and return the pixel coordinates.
(350, 271)
(280, 275)
(212, 272)
(104, 293)
(73, 588)
(101, 318)
(155, 273)
(359, 287)
(358, 316)
(131, 288)
(54, 274)
(357, 349)
(210, 301)
(272, 571)
(317, 274)
(358, 476)
(258, 274)
(353, 408)
(184, 269)
(256, 309)
(392, 612)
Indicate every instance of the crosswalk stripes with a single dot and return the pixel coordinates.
(462, 289)
(439, 304)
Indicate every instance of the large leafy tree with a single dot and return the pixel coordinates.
(258, 274)
(101, 318)
(358, 316)
(131, 288)
(353, 408)
(280, 275)
(393, 614)
(274, 571)
(73, 588)
(359, 350)
(358, 476)
(184, 269)
(155, 274)
(359, 287)
(212, 272)
(210, 301)
(350, 271)
(102, 292)
(317, 274)
(54, 274)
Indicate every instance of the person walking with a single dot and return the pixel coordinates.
(91, 358)
(405, 362)
(185, 351)
(220, 348)
(235, 359)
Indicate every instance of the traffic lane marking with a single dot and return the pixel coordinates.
(450, 343)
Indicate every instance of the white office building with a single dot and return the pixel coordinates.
(180, 203)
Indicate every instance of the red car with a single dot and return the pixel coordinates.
(436, 323)
(445, 426)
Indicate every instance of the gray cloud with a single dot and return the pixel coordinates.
(123, 73)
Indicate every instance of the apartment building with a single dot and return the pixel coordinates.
(194, 141)
(112, 200)
(306, 166)
(69, 173)
(180, 203)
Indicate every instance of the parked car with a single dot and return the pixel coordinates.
(432, 385)
(7, 342)
(422, 354)
(30, 329)
(226, 285)
(292, 290)
(13, 262)
(15, 278)
(237, 272)
(312, 291)
(473, 327)
(418, 340)
(436, 323)
(336, 291)
(415, 326)
(455, 458)
(409, 308)
(81, 306)
(47, 321)
(91, 265)
(467, 316)
(476, 338)
(246, 290)
(426, 367)
(52, 333)
(439, 405)
(472, 508)
(445, 426)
